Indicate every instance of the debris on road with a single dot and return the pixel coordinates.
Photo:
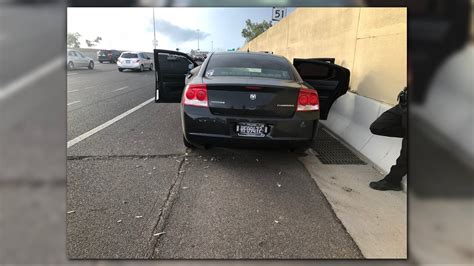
(178, 161)
(213, 159)
(124, 202)
(138, 216)
(278, 185)
(279, 173)
(149, 173)
(256, 160)
(347, 189)
(159, 234)
(69, 212)
(207, 166)
(276, 221)
(154, 168)
(119, 221)
(137, 166)
(206, 176)
(184, 187)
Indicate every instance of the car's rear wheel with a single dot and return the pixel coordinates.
(91, 65)
(70, 65)
(142, 68)
(120, 69)
(187, 143)
(151, 66)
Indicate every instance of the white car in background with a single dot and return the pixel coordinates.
(76, 59)
(135, 61)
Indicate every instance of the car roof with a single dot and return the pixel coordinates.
(255, 54)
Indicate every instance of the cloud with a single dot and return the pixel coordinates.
(176, 33)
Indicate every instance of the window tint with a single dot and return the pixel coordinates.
(81, 55)
(129, 55)
(170, 63)
(249, 65)
(313, 71)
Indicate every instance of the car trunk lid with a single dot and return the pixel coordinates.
(252, 97)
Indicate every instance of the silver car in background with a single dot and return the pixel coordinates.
(135, 61)
(76, 59)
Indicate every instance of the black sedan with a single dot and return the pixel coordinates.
(249, 99)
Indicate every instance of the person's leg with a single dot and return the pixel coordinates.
(386, 125)
(389, 124)
(398, 170)
(392, 181)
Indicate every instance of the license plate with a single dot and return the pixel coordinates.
(251, 129)
(127, 61)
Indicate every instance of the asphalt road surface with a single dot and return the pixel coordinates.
(135, 191)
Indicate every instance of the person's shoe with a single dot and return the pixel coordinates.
(384, 185)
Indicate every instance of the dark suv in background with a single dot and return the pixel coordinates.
(110, 56)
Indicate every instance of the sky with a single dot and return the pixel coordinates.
(132, 28)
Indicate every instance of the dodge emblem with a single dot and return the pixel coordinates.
(253, 96)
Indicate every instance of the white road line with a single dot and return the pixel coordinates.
(30, 77)
(86, 88)
(73, 103)
(106, 124)
(73, 91)
(70, 74)
(119, 89)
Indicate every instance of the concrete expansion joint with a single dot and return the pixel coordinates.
(165, 210)
(133, 156)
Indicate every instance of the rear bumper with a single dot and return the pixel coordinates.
(128, 66)
(202, 128)
(104, 58)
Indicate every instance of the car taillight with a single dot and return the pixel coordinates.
(308, 100)
(195, 95)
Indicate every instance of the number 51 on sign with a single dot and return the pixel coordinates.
(278, 13)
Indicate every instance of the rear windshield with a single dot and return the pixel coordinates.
(129, 55)
(249, 65)
(103, 52)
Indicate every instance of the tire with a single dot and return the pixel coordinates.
(187, 143)
(151, 67)
(70, 65)
(142, 68)
(120, 69)
(101, 61)
(91, 65)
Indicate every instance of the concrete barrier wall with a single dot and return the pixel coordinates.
(371, 42)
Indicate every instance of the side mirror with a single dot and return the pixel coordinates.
(190, 66)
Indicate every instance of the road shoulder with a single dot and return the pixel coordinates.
(377, 221)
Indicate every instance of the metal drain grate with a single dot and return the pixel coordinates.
(331, 151)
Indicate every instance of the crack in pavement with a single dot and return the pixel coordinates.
(165, 209)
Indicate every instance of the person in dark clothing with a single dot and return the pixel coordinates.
(393, 123)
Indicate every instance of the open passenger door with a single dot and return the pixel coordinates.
(171, 68)
(329, 80)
